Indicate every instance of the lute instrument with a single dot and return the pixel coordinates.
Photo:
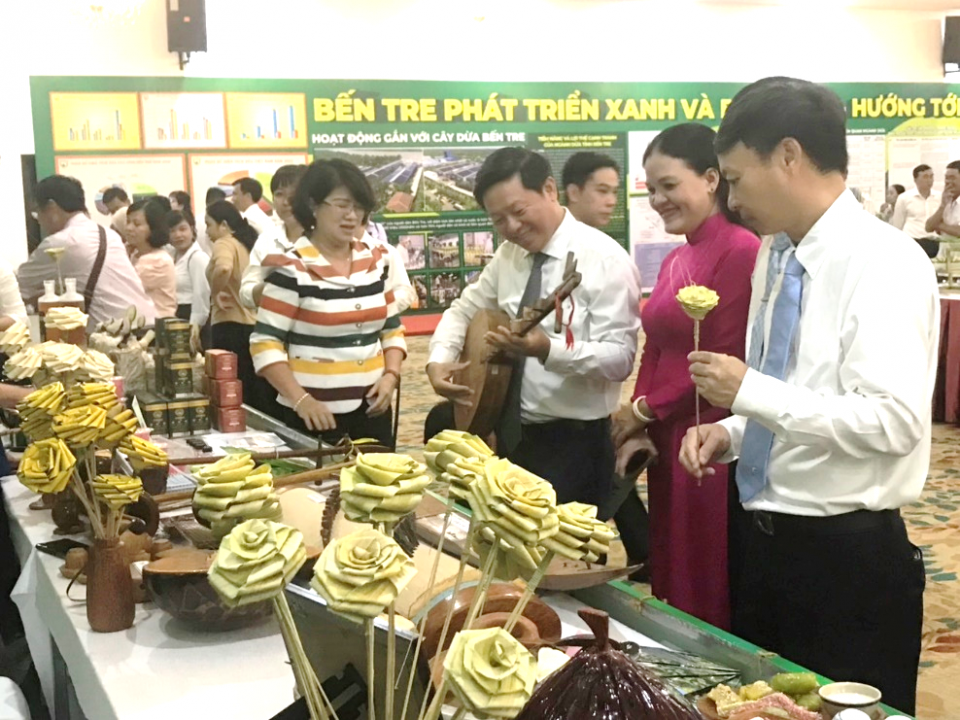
(490, 370)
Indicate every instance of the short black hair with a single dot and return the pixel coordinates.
(580, 166)
(65, 191)
(251, 187)
(770, 110)
(694, 144)
(534, 170)
(182, 197)
(225, 211)
(955, 165)
(321, 179)
(155, 214)
(115, 193)
(920, 169)
(899, 188)
(175, 217)
(286, 176)
(213, 194)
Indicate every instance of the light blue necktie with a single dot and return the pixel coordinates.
(758, 440)
(781, 243)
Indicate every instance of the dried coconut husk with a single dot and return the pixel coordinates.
(602, 683)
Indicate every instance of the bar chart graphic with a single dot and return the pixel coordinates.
(267, 120)
(183, 120)
(95, 121)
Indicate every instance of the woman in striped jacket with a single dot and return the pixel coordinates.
(328, 336)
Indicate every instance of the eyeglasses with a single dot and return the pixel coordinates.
(345, 206)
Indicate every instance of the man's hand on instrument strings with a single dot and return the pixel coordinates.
(534, 344)
(441, 375)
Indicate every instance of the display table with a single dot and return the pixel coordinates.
(946, 398)
(156, 670)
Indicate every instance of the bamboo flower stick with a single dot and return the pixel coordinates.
(423, 620)
(449, 617)
(371, 670)
(307, 683)
(391, 660)
(529, 591)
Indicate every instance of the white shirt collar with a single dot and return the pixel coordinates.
(811, 250)
(559, 242)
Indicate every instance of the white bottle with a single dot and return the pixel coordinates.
(49, 299)
(71, 298)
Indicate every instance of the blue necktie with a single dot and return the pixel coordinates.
(758, 440)
(781, 243)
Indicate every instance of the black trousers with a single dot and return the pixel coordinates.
(356, 425)
(577, 458)
(257, 392)
(842, 596)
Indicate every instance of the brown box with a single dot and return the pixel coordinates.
(178, 418)
(198, 408)
(225, 393)
(221, 364)
(230, 419)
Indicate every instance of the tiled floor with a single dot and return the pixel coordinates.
(933, 523)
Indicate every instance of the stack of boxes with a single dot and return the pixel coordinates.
(174, 410)
(225, 391)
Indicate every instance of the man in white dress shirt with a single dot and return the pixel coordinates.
(946, 220)
(61, 212)
(274, 241)
(914, 207)
(558, 426)
(247, 193)
(832, 421)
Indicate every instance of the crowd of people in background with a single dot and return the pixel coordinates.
(155, 257)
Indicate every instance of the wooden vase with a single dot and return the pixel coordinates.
(110, 603)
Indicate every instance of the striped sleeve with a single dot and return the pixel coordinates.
(392, 334)
(275, 319)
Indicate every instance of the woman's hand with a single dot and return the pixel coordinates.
(224, 301)
(626, 425)
(640, 443)
(316, 415)
(381, 394)
(195, 345)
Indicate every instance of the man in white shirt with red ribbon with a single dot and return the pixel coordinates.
(832, 412)
(556, 420)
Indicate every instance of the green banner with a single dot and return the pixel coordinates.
(420, 143)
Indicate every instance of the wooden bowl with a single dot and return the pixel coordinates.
(178, 584)
(502, 598)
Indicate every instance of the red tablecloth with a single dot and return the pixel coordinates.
(946, 396)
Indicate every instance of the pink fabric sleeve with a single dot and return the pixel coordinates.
(673, 394)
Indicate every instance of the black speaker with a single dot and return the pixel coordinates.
(951, 39)
(186, 26)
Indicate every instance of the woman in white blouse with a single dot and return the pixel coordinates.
(193, 290)
(11, 304)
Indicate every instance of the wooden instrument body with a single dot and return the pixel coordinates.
(488, 375)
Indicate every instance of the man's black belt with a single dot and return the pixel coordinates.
(563, 425)
(774, 523)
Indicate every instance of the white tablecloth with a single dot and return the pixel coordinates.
(156, 670)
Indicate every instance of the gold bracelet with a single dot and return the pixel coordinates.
(296, 405)
(392, 372)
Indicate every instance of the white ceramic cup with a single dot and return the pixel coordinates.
(843, 695)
